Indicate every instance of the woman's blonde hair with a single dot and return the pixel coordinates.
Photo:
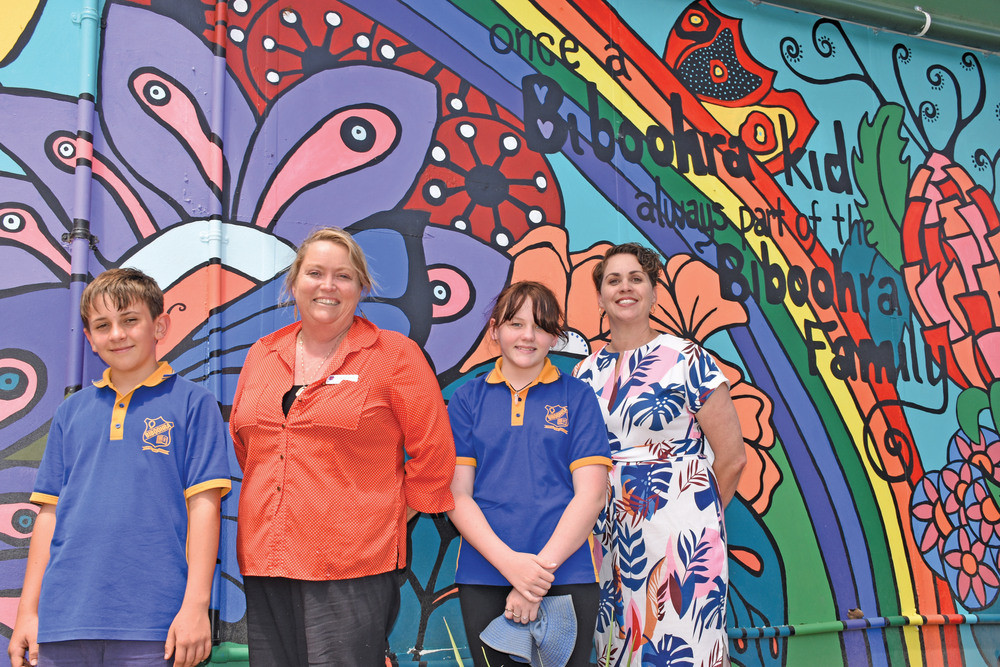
(341, 238)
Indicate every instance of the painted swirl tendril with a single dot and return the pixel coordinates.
(825, 45)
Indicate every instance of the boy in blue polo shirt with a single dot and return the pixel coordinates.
(124, 547)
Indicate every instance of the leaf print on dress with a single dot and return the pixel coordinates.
(641, 366)
(694, 479)
(631, 557)
(656, 409)
(678, 524)
(699, 562)
(672, 651)
(634, 638)
(701, 371)
(712, 607)
(644, 489)
(610, 608)
(657, 594)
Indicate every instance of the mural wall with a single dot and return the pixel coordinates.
(825, 196)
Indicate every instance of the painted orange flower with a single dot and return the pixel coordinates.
(691, 306)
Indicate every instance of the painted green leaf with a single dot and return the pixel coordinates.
(970, 403)
(994, 393)
(882, 174)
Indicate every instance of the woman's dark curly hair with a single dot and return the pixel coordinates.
(648, 259)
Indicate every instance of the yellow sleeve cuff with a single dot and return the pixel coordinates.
(43, 499)
(223, 484)
(590, 461)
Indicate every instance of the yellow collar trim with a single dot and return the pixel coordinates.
(549, 374)
(162, 372)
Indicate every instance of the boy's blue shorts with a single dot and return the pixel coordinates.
(102, 653)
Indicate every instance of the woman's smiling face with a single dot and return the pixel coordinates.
(327, 289)
(626, 294)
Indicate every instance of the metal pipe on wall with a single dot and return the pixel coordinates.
(80, 239)
(910, 20)
(214, 237)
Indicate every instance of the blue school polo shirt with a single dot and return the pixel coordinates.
(525, 448)
(120, 470)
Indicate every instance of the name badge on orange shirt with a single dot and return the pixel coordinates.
(337, 379)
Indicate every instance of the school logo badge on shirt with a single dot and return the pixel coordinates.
(556, 417)
(157, 435)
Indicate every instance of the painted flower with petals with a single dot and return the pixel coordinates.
(971, 570)
(983, 513)
(692, 307)
(955, 480)
(695, 308)
(483, 179)
(930, 523)
(761, 476)
(984, 454)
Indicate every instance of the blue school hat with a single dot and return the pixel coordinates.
(547, 641)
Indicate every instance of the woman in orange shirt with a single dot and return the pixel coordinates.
(325, 409)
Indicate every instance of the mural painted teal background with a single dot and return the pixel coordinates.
(825, 196)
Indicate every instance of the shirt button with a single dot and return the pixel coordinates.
(118, 425)
(121, 405)
(282, 427)
(279, 488)
(281, 456)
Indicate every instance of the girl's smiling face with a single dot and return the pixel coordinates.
(523, 344)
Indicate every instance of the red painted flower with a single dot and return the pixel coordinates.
(931, 524)
(955, 480)
(483, 179)
(984, 454)
(271, 45)
(971, 570)
(983, 513)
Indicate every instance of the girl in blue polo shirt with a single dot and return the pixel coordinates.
(532, 475)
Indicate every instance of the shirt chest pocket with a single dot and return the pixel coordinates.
(339, 406)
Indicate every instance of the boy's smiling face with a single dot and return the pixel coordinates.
(125, 340)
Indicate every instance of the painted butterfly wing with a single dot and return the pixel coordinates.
(350, 143)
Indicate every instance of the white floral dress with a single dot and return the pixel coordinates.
(663, 571)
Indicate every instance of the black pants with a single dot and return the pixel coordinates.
(333, 623)
(481, 604)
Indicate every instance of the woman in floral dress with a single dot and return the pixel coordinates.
(664, 573)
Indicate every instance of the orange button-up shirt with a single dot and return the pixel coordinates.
(325, 489)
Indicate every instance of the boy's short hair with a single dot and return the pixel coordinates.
(122, 287)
